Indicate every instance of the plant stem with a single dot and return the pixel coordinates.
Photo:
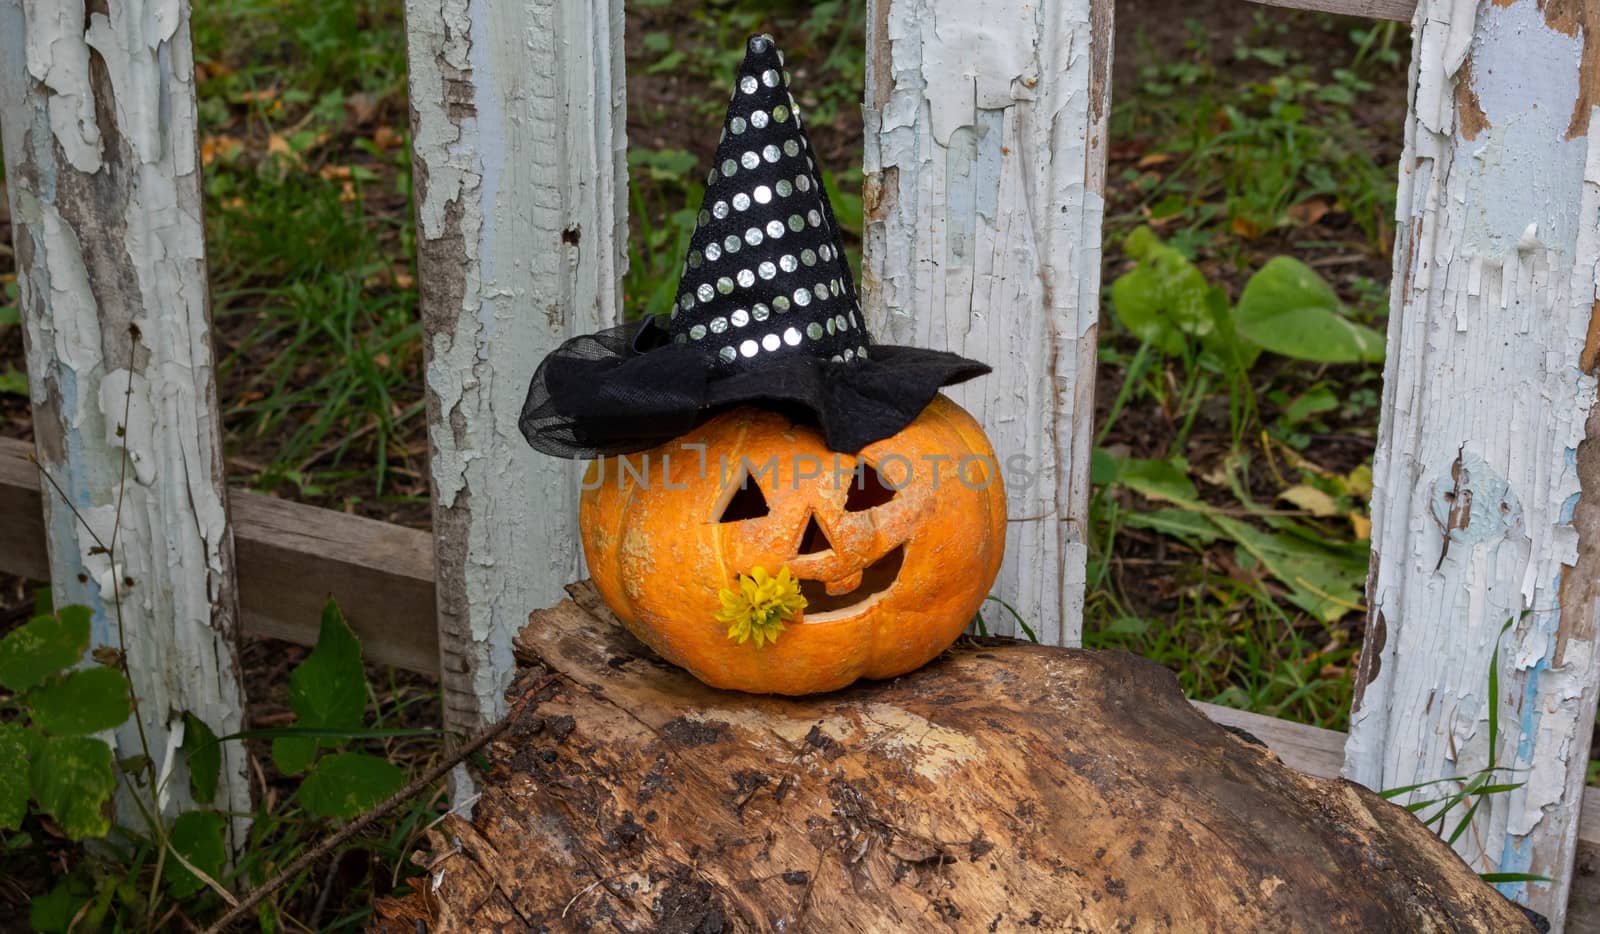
(310, 857)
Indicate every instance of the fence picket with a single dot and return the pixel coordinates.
(1485, 508)
(97, 114)
(519, 156)
(985, 165)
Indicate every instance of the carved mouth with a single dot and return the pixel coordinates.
(876, 579)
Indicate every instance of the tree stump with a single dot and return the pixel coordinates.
(1003, 787)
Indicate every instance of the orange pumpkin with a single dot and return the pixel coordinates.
(894, 556)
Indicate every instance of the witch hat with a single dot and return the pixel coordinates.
(766, 312)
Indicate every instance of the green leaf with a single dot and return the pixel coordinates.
(348, 783)
(203, 754)
(72, 778)
(1313, 401)
(293, 754)
(1291, 310)
(328, 690)
(1154, 479)
(55, 910)
(1497, 877)
(198, 835)
(1193, 528)
(42, 647)
(13, 382)
(81, 702)
(14, 793)
(1322, 581)
(1164, 298)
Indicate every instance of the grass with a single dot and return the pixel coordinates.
(311, 240)
(1229, 520)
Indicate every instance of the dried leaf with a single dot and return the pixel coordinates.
(1309, 212)
(1310, 499)
(1155, 158)
(1245, 227)
(1361, 526)
(387, 137)
(215, 147)
(361, 107)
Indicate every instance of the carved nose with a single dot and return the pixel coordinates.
(813, 540)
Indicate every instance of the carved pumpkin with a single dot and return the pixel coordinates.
(894, 557)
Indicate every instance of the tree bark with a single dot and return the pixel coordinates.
(1005, 786)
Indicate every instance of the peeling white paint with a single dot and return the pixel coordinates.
(1476, 473)
(519, 149)
(985, 155)
(111, 276)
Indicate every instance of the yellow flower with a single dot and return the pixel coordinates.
(761, 605)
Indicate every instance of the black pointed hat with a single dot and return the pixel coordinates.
(766, 312)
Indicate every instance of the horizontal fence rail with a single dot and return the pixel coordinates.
(292, 558)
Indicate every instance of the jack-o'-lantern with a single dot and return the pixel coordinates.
(894, 548)
(808, 510)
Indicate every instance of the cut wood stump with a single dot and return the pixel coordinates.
(1003, 787)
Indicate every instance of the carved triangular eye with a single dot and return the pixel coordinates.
(814, 541)
(748, 502)
(867, 491)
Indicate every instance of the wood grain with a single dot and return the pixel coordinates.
(1486, 476)
(292, 557)
(1005, 785)
(22, 549)
(1399, 10)
(984, 173)
(101, 143)
(519, 156)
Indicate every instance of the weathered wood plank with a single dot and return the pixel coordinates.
(291, 558)
(1004, 786)
(985, 164)
(1399, 10)
(1310, 749)
(1486, 511)
(22, 539)
(97, 114)
(520, 167)
(1583, 899)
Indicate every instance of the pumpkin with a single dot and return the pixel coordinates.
(895, 548)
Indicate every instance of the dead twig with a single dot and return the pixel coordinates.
(310, 857)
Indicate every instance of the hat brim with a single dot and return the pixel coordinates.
(624, 390)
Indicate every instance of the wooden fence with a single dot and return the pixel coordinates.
(985, 160)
